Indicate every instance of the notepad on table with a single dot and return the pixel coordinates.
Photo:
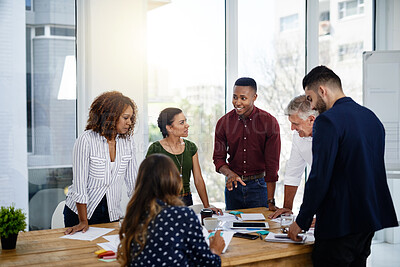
(283, 238)
(252, 217)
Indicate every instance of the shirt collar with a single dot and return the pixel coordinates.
(250, 117)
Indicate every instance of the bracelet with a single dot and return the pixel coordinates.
(271, 201)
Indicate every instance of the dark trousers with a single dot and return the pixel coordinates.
(253, 195)
(100, 215)
(351, 250)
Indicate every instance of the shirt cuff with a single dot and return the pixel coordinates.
(219, 164)
(292, 181)
(271, 179)
(79, 198)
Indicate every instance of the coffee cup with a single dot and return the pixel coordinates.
(211, 223)
(205, 213)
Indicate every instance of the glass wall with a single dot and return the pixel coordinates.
(186, 66)
(272, 51)
(51, 105)
(38, 70)
(345, 29)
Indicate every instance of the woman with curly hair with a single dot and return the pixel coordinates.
(103, 156)
(158, 230)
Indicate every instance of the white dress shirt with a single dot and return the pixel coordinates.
(300, 157)
(93, 176)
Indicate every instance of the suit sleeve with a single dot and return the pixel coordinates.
(324, 148)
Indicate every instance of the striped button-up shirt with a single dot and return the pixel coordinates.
(92, 176)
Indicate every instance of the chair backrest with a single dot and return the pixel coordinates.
(42, 206)
(57, 220)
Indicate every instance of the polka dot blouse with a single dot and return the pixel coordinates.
(175, 239)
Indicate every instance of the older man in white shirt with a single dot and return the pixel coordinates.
(301, 117)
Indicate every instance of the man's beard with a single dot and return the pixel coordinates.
(320, 106)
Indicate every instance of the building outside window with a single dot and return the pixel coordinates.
(290, 22)
(186, 69)
(350, 8)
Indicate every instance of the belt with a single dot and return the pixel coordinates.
(252, 177)
(185, 194)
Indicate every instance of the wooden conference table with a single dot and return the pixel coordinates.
(46, 248)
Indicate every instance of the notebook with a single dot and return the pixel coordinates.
(283, 238)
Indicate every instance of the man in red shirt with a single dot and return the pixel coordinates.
(251, 138)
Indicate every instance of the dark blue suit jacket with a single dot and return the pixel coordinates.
(347, 187)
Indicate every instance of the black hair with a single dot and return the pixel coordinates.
(321, 75)
(165, 118)
(246, 81)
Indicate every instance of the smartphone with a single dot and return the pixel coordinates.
(260, 225)
(247, 236)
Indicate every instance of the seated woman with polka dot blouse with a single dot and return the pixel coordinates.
(158, 230)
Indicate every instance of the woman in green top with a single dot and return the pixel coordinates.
(173, 126)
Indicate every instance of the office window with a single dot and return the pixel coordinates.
(275, 58)
(39, 31)
(28, 5)
(289, 22)
(342, 49)
(51, 114)
(59, 31)
(350, 8)
(186, 67)
(350, 51)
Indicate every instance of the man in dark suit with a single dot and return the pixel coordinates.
(347, 187)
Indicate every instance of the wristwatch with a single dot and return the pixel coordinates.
(271, 201)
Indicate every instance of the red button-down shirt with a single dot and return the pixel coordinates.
(253, 144)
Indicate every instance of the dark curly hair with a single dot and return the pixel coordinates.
(165, 118)
(105, 112)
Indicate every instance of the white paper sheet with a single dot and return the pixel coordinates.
(112, 244)
(226, 235)
(112, 238)
(89, 235)
(108, 246)
(252, 217)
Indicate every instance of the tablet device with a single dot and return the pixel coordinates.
(256, 225)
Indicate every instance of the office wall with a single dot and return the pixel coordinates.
(388, 38)
(13, 152)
